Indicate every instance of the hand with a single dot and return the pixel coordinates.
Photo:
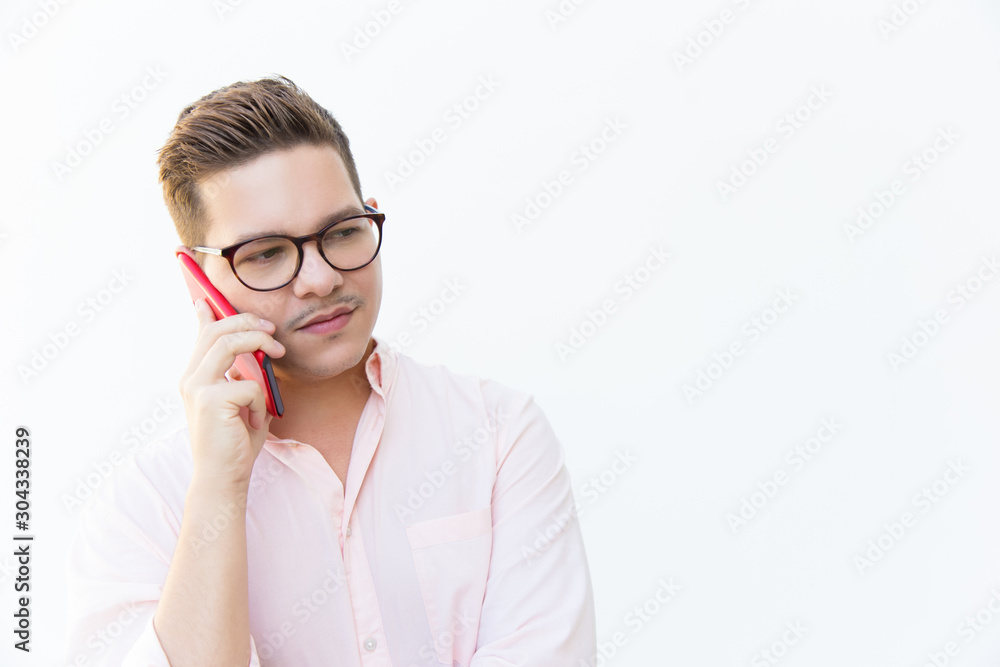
(228, 420)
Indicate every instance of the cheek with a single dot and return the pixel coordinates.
(269, 305)
(374, 293)
(238, 296)
(266, 305)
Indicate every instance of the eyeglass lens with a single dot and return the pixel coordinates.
(271, 262)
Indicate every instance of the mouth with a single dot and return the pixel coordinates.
(327, 322)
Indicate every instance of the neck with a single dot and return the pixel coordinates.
(323, 406)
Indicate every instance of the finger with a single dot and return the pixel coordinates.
(262, 433)
(210, 331)
(223, 352)
(205, 313)
(249, 398)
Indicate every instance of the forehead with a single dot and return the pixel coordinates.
(289, 191)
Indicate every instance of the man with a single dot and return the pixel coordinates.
(397, 514)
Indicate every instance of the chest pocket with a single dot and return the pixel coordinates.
(451, 555)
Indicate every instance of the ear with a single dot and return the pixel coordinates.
(371, 202)
(196, 256)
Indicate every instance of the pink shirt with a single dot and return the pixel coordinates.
(455, 541)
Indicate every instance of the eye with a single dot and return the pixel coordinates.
(265, 255)
(262, 252)
(338, 232)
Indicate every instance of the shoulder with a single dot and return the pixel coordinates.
(507, 411)
(438, 377)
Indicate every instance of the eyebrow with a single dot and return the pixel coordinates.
(336, 216)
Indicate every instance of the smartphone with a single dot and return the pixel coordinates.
(255, 366)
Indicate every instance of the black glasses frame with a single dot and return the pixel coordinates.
(230, 251)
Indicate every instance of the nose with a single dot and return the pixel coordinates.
(316, 276)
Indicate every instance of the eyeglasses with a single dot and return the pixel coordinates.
(271, 262)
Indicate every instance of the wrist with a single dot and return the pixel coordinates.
(214, 487)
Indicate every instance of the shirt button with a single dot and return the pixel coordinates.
(370, 644)
(348, 531)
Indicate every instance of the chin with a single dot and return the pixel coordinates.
(326, 358)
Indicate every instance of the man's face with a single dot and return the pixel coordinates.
(292, 192)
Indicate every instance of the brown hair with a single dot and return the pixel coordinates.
(234, 125)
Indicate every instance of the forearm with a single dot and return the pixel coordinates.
(203, 614)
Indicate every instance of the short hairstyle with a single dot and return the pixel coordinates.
(234, 125)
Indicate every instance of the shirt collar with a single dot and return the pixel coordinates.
(380, 369)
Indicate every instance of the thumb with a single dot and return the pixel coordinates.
(204, 311)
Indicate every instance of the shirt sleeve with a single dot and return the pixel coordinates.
(116, 567)
(538, 608)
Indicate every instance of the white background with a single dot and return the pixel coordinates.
(685, 127)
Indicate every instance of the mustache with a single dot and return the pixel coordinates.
(352, 302)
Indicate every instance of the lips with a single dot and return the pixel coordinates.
(329, 315)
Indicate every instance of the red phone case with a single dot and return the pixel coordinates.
(256, 366)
